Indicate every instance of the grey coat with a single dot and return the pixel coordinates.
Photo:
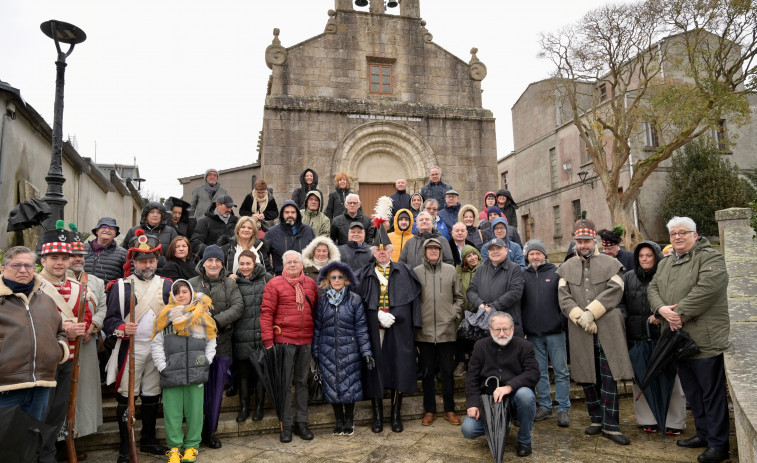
(227, 306)
(594, 284)
(441, 302)
(412, 251)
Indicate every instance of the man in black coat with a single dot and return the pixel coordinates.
(289, 235)
(435, 188)
(544, 324)
(154, 221)
(400, 199)
(498, 284)
(216, 226)
(390, 293)
(511, 360)
(356, 252)
(340, 226)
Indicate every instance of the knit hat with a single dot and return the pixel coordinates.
(212, 251)
(109, 221)
(584, 229)
(494, 209)
(535, 244)
(57, 241)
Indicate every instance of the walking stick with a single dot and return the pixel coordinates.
(130, 414)
(81, 307)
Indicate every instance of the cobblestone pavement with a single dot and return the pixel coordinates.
(442, 442)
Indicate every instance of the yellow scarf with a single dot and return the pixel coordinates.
(192, 320)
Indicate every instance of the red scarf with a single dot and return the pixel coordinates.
(296, 282)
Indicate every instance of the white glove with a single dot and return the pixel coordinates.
(591, 328)
(586, 318)
(385, 318)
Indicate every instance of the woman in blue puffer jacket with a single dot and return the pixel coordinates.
(340, 340)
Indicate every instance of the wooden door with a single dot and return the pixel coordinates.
(371, 192)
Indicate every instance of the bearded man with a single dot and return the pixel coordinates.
(512, 361)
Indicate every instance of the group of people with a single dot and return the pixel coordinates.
(372, 302)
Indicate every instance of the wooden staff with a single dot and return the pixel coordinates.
(81, 307)
(130, 413)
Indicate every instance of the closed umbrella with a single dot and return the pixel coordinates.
(28, 214)
(497, 421)
(22, 435)
(672, 346)
(274, 368)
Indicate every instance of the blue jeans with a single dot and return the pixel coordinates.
(554, 346)
(32, 400)
(524, 404)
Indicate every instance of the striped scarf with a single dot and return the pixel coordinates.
(192, 320)
(296, 282)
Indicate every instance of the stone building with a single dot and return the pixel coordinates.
(25, 150)
(375, 97)
(542, 171)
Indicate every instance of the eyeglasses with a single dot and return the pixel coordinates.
(352, 202)
(337, 277)
(502, 330)
(17, 267)
(292, 263)
(682, 234)
(107, 227)
(432, 209)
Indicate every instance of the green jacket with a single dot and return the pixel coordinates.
(466, 275)
(441, 301)
(698, 283)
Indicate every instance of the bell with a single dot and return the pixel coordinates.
(392, 4)
(361, 2)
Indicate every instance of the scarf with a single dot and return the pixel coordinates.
(22, 288)
(320, 263)
(225, 218)
(259, 205)
(336, 297)
(296, 282)
(97, 248)
(193, 320)
(211, 189)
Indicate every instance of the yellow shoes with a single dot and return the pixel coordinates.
(173, 455)
(190, 455)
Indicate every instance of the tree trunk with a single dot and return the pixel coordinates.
(621, 216)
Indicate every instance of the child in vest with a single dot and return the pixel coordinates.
(183, 346)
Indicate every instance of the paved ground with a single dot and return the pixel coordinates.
(443, 442)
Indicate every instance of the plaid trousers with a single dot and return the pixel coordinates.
(602, 396)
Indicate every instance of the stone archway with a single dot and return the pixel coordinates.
(397, 143)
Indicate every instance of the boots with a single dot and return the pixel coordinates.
(148, 443)
(377, 405)
(123, 430)
(244, 400)
(396, 407)
(349, 419)
(339, 415)
(257, 415)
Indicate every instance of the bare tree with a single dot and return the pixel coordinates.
(675, 68)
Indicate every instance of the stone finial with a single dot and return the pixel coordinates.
(427, 37)
(275, 53)
(331, 25)
(477, 68)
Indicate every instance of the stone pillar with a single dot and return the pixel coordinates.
(377, 7)
(410, 8)
(343, 5)
(729, 218)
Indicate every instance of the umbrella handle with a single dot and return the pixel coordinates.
(276, 327)
(649, 331)
(486, 383)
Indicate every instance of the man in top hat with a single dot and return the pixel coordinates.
(589, 290)
(390, 293)
(611, 246)
(105, 258)
(89, 397)
(151, 293)
(67, 293)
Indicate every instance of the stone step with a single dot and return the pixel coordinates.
(320, 416)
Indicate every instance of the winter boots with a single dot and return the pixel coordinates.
(377, 405)
(244, 400)
(339, 417)
(257, 415)
(349, 419)
(149, 443)
(396, 408)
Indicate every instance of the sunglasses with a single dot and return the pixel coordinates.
(337, 277)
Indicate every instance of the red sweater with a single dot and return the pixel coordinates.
(279, 308)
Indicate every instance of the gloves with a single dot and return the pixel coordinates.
(585, 319)
(369, 362)
(591, 328)
(385, 318)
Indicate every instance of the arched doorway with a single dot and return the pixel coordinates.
(378, 153)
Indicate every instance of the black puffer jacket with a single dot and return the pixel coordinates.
(108, 265)
(164, 233)
(281, 237)
(230, 250)
(299, 196)
(539, 306)
(247, 329)
(635, 304)
(212, 230)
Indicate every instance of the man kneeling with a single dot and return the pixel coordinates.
(512, 361)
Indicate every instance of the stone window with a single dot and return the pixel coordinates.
(504, 180)
(650, 136)
(720, 136)
(557, 223)
(553, 168)
(381, 78)
(584, 150)
(603, 92)
(576, 209)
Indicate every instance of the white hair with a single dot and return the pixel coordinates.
(437, 168)
(291, 253)
(500, 314)
(682, 222)
(431, 201)
(423, 213)
(352, 195)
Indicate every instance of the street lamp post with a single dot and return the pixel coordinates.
(60, 32)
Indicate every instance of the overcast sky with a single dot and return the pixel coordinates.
(180, 85)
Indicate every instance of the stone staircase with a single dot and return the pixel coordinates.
(320, 416)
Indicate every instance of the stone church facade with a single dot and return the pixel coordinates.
(375, 97)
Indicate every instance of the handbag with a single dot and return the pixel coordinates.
(315, 387)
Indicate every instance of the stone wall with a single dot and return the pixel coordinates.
(740, 247)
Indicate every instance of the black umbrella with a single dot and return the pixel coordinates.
(274, 368)
(28, 214)
(497, 421)
(659, 390)
(672, 346)
(22, 435)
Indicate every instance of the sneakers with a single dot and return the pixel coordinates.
(173, 455)
(190, 455)
(563, 419)
(672, 432)
(542, 414)
(650, 428)
(460, 369)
